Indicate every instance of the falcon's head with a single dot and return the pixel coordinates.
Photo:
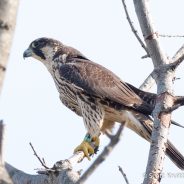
(48, 50)
(43, 49)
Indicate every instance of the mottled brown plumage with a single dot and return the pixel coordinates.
(97, 94)
(97, 80)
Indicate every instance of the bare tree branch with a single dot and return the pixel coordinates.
(164, 88)
(4, 177)
(145, 56)
(64, 176)
(177, 58)
(40, 160)
(102, 157)
(148, 83)
(60, 173)
(179, 54)
(133, 28)
(8, 11)
(123, 174)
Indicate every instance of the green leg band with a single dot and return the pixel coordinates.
(88, 138)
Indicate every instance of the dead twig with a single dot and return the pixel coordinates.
(123, 174)
(134, 30)
(40, 160)
(145, 56)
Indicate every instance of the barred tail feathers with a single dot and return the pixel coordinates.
(175, 156)
(142, 125)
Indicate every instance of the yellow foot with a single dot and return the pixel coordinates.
(86, 148)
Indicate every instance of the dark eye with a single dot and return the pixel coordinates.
(35, 44)
(39, 43)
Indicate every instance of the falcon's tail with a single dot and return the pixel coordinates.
(142, 125)
(175, 155)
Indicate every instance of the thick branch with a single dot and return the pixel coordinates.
(164, 89)
(4, 177)
(61, 173)
(8, 11)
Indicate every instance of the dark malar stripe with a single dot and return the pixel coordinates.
(39, 53)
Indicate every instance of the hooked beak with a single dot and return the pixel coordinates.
(27, 53)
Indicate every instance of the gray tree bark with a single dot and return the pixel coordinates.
(8, 12)
(4, 176)
(64, 175)
(164, 79)
(61, 173)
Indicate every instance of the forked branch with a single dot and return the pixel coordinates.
(164, 100)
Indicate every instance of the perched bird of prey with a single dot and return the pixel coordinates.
(97, 95)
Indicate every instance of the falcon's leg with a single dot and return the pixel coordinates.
(93, 116)
(89, 146)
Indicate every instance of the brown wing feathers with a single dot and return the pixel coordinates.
(97, 80)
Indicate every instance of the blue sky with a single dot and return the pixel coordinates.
(30, 104)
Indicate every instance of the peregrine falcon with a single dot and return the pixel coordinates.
(97, 95)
